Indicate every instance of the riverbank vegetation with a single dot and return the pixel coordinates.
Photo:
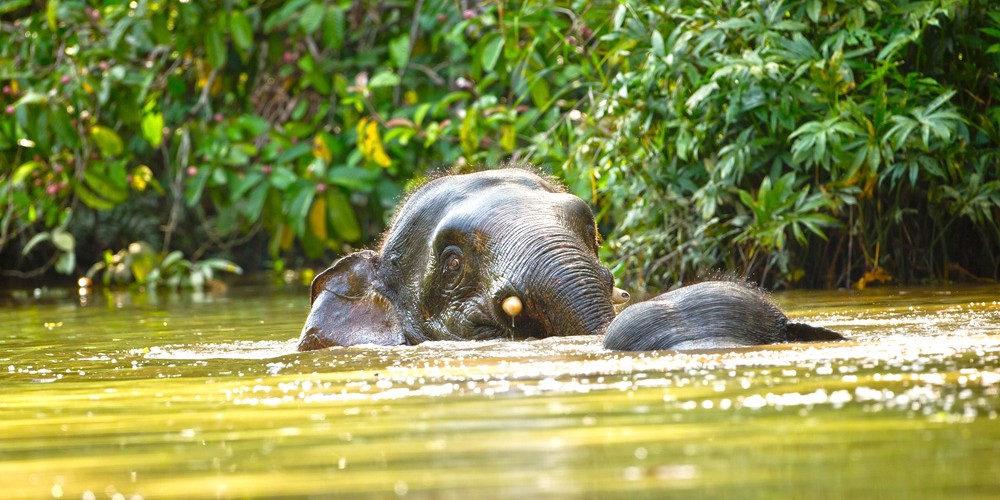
(811, 143)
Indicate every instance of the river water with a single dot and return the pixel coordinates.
(202, 396)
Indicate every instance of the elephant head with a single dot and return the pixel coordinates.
(501, 254)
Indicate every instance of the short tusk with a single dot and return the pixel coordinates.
(619, 296)
(512, 306)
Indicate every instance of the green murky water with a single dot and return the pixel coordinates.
(203, 396)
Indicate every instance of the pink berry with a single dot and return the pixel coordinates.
(7, 90)
(65, 79)
(468, 14)
(288, 57)
(266, 169)
(192, 171)
(57, 168)
(442, 18)
(95, 14)
(103, 65)
(217, 118)
(52, 189)
(128, 179)
(320, 187)
(10, 109)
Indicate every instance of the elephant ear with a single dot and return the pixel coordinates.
(347, 308)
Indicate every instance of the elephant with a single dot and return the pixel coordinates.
(496, 254)
(708, 315)
(509, 254)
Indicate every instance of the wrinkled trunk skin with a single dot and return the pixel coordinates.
(564, 288)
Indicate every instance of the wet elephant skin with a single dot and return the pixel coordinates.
(708, 315)
(457, 249)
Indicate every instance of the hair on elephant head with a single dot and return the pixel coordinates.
(708, 315)
(494, 254)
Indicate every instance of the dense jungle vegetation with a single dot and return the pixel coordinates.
(814, 143)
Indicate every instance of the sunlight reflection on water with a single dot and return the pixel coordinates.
(196, 399)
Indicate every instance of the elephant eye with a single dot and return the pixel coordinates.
(451, 265)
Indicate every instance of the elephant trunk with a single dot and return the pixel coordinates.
(564, 291)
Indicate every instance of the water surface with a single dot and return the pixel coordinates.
(202, 396)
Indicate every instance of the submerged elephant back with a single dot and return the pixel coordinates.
(709, 315)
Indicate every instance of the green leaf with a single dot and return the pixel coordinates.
(63, 240)
(619, 16)
(293, 153)
(241, 31)
(91, 199)
(492, 47)
(51, 9)
(341, 216)
(255, 203)
(384, 79)
(287, 12)
(418, 116)
(152, 128)
(253, 124)
(353, 178)
(23, 171)
(221, 265)
(195, 186)
(281, 178)
(66, 263)
(333, 28)
(248, 182)
(107, 140)
(301, 202)
(12, 5)
(311, 17)
(399, 50)
(105, 187)
(813, 9)
(172, 259)
(657, 44)
(36, 239)
(215, 46)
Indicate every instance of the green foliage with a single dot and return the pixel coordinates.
(802, 141)
(299, 120)
(143, 265)
(731, 131)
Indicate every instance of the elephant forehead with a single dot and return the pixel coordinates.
(490, 207)
(504, 211)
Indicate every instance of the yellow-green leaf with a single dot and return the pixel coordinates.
(107, 140)
(105, 187)
(342, 217)
(508, 137)
(50, 14)
(321, 150)
(91, 199)
(317, 218)
(24, 171)
(152, 128)
(370, 143)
